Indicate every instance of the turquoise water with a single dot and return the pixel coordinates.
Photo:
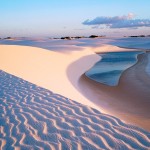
(109, 69)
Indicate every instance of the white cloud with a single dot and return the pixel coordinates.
(126, 21)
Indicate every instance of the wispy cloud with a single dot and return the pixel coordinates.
(126, 21)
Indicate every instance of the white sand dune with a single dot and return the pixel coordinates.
(51, 69)
(48, 68)
(35, 118)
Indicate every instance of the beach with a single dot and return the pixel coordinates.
(83, 114)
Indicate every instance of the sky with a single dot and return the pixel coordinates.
(56, 18)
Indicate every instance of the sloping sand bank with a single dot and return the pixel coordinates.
(48, 69)
(130, 100)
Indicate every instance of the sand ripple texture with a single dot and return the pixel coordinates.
(32, 117)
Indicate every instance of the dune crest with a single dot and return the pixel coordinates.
(48, 69)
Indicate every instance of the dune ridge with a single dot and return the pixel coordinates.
(35, 118)
(48, 68)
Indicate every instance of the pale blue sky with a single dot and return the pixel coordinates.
(65, 17)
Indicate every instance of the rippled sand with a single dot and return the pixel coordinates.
(35, 118)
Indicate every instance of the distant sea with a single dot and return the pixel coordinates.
(109, 69)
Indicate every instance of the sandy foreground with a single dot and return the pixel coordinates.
(33, 117)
